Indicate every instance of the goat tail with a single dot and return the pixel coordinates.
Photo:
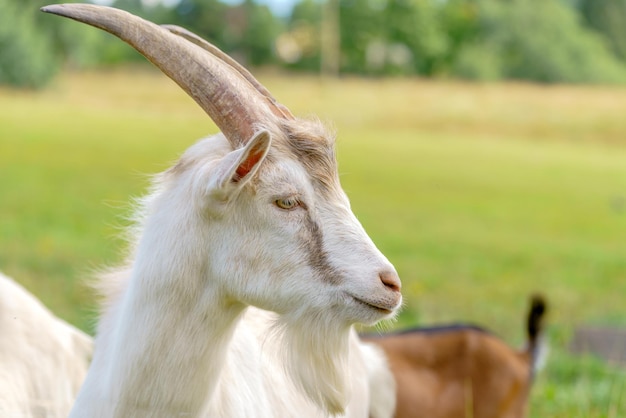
(534, 330)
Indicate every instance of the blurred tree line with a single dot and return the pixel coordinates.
(576, 41)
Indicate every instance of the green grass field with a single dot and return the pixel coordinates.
(479, 194)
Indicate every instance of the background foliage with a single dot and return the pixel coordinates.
(576, 41)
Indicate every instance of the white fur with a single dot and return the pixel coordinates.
(187, 329)
(43, 360)
(382, 383)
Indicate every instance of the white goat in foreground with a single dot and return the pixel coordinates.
(43, 360)
(252, 217)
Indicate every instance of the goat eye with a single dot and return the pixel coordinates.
(287, 203)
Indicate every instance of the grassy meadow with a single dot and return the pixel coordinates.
(480, 194)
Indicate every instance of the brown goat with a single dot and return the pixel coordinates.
(458, 371)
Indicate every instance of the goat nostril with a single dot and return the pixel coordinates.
(391, 280)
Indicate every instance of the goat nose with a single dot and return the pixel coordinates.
(391, 280)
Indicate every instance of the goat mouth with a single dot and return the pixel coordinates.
(379, 307)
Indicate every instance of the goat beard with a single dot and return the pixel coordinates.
(315, 354)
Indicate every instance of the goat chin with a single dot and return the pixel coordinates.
(315, 353)
(287, 374)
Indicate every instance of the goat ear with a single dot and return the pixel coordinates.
(241, 165)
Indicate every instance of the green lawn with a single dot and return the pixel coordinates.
(479, 194)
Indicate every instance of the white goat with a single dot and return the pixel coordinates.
(43, 360)
(252, 217)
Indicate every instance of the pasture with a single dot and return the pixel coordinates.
(479, 194)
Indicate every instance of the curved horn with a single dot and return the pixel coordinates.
(277, 108)
(235, 106)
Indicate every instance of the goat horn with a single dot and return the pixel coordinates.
(233, 103)
(277, 108)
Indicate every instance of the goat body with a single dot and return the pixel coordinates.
(43, 360)
(455, 371)
(247, 268)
